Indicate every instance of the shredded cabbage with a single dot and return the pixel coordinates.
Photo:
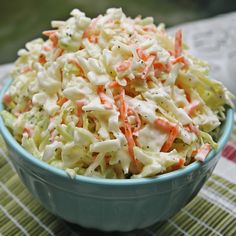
(113, 97)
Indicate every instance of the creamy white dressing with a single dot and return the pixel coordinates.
(67, 94)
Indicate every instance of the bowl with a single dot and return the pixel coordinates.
(108, 204)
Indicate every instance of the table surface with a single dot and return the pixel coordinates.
(212, 211)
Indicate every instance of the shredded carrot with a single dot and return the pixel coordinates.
(48, 33)
(193, 107)
(28, 131)
(187, 94)
(193, 129)
(62, 121)
(117, 97)
(79, 106)
(93, 38)
(150, 28)
(161, 67)
(164, 125)
(16, 113)
(186, 90)
(123, 66)
(58, 53)
(52, 36)
(46, 48)
(26, 69)
(179, 165)
(148, 67)
(181, 59)
(91, 27)
(28, 106)
(61, 100)
(170, 52)
(76, 63)
(178, 43)
(7, 99)
(103, 97)
(137, 143)
(141, 54)
(42, 59)
(131, 111)
(114, 84)
(107, 159)
(128, 131)
(203, 152)
(123, 109)
(135, 167)
(172, 136)
(88, 33)
(194, 152)
(130, 140)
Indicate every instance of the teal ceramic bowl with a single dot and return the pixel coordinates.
(111, 205)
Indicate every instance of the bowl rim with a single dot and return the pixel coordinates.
(7, 136)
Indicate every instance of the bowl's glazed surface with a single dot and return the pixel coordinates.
(109, 204)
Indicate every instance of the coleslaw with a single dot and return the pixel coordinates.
(113, 97)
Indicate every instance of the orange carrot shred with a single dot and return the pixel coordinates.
(164, 125)
(7, 99)
(194, 152)
(123, 66)
(193, 129)
(178, 43)
(27, 131)
(161, 67)
(103, 97)
(76, 63)
(122, 106)
(179, 165)
(61, 101)
(88, 33)
(193, 107)
(148, 67)
(187, 92)
(128, 131)
(203, 152)
(26, 69)
(79, 105)
(131, 111)
(130, 140)
(181, 59)
(141, 54)
(28, 106)
(114, 84)
(172, 136)
(42, 59)
(52, 36)
(48, 33)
